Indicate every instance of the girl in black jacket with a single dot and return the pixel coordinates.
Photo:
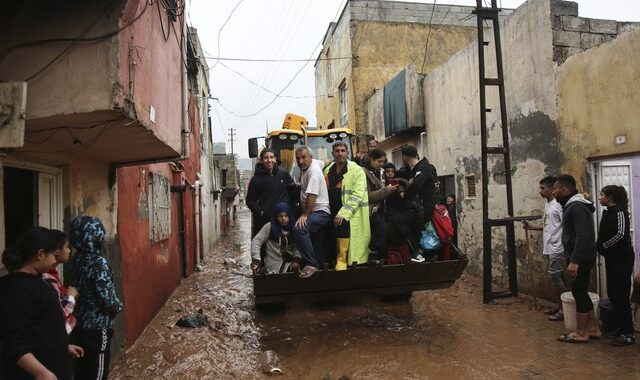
(614, 243)
(33, 336)
(269, 186)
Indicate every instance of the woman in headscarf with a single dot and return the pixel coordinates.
(281, 252)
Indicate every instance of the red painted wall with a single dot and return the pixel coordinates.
(152, 271)
(150, 70)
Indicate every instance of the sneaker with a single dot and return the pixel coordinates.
(552, 311)
(623, 340)
(417, 258)
(558, 316)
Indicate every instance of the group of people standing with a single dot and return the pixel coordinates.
(358, 209)
(571, 246)
(47, 330)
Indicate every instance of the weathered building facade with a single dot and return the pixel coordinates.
(373, 41)
(116, 127)
(564, 79)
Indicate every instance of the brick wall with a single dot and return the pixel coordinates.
(573, 34)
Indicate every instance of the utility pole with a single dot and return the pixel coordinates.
(232, 135)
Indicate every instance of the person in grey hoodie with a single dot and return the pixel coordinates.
(579, 243)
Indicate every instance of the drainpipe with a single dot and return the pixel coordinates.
(196, 214)
(185, 94)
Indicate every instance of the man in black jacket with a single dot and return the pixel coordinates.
(579, 243)
(419, 201)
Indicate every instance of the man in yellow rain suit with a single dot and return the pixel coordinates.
(349, 204)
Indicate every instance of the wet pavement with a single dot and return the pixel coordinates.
(437, 334)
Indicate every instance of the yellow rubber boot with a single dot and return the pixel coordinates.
(342, 249)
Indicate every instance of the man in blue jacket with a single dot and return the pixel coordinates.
(579, 243)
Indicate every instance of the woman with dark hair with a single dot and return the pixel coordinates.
(269, 185)
(33, 337)
(377, 194)
(614, 243)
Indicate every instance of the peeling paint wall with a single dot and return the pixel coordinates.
(451, 95)
(599, 99)
(89, 189)
(560, 113)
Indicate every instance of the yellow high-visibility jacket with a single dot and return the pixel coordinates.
(355, 210)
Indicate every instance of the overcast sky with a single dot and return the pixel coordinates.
(290, 29)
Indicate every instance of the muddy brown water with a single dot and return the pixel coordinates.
(436, 334)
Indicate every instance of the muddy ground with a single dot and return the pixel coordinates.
(436, 334)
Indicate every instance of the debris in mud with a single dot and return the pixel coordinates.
(229, 261)
(270, 363)
(193, 321)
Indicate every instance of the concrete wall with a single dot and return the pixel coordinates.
(555, 114)
(118, 75)
(453, 135)
(65, 87)
(598, 99)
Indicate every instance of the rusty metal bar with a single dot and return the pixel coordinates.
(491, 13)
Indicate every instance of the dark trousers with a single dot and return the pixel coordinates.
(402, 228)
(310, 238)
(580, 287)
(96, 344)
(378, 243)
(619, 271)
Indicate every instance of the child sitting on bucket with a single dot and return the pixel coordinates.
(281, 252)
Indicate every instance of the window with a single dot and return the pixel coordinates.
(470, 182)
(224, 177)
(396, 157)
(343, 102)
(159, 207)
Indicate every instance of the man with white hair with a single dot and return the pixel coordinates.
(314, 201)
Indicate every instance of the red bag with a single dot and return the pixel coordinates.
(444, 228)
(398, 254)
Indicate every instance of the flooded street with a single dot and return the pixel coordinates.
(437, 334)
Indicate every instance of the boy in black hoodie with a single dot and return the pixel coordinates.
(579, 243)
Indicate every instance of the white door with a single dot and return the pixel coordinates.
(616, 173)
(48, 197)
(611, 173)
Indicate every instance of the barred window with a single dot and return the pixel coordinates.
(159, 207)
(470, 181)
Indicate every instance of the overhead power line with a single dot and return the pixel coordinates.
(225, 24)
(276, 60)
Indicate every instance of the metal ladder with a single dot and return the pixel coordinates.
(491, 14)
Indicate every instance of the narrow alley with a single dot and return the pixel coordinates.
(437, 334)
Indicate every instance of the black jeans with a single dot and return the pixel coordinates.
(95, 362)
(378, 243)
(402, 228)
(580, 286)
(619, 269)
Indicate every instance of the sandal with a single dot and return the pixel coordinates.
(307, 272)
(568, 338)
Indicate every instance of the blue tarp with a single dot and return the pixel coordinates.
(395, 105)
